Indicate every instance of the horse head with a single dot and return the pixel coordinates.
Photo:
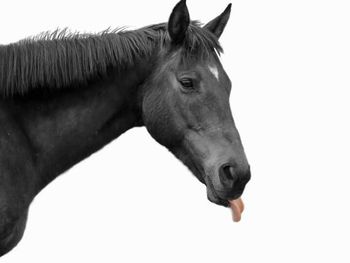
(185, 107)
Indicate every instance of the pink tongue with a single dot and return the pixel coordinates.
(237, 208)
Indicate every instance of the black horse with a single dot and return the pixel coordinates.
(64, 96)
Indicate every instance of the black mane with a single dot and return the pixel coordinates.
(59, 59)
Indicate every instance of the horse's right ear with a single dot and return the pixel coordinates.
(178, 22)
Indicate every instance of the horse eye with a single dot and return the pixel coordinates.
(187, 83)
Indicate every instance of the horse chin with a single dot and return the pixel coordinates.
(214, 198)
(219, 201)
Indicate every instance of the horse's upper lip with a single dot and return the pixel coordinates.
(232, 196)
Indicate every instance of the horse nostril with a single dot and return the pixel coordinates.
(227, 174)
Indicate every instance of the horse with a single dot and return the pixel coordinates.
(63, 96)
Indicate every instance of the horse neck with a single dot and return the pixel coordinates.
(66, 127)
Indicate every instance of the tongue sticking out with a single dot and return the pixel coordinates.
(237, 208)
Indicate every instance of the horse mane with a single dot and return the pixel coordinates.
(60, 58)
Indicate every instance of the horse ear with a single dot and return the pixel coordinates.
(217, 25)
(178, 22)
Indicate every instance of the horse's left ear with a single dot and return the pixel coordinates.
(178, 22)
(218, 24)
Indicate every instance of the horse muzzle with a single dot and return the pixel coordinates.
(226, 187)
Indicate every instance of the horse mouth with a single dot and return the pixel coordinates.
(235, 203)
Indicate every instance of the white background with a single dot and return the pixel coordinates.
(289, 62)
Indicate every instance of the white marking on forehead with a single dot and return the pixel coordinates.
(213, 69)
